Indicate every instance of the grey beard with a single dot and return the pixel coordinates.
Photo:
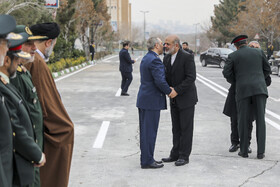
(48, 52)
(31, 60)
(2, 60)
(170, 52)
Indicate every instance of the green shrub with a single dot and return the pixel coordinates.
(66, 63)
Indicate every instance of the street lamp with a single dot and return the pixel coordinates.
(144, 12)
(195, 50)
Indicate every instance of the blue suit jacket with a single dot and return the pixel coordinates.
(125, 61)
(153, 88)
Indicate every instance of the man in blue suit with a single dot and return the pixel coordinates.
(150, 100)
(125, 68)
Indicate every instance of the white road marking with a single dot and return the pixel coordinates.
(274, 99)
(138, 58)
(69, 75)
(272, 123)
(98, 143)
(272, 114)
(118, 94)
(212, 87)
(106, 60)
(222, 88)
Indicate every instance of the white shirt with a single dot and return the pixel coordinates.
(173, 57)
(42, 55)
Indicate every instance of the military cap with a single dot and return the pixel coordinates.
(16, 51)
(25, 29)
(16, 41)
(7, 25)
(16, 45)
(239, 38)
(51, 30)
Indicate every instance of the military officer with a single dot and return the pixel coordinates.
(248, 68)
(26, 152)
(23, 82)
(8, 24)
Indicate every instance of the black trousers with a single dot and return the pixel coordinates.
(234, 137)
(244, 110)
(182, 130)
(92, 56)
(126, 81)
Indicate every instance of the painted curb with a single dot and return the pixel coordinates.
(71, 69)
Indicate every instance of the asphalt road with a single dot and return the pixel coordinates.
(106, 150)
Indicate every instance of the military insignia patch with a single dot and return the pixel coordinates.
(28, 31)
(19, 69)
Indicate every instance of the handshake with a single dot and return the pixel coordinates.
(173, 93)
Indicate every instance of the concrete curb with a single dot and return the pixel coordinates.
(72, 69)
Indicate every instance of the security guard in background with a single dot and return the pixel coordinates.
(26, 152)
(248, 68)
(23, 82)
(8, 24)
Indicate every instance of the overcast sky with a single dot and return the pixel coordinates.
(186, 12)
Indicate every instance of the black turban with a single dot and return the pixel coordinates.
(51, 30)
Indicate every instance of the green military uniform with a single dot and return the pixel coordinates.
(248, 68)
(23, 82)
(26, 151)
(6, 145)
(8, 24)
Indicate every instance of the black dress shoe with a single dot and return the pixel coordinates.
(169, 159)
(154, 165)
(233, 147)
(124, 94)
(243, 155)
(158, 162)
(260, 155)
(181, 162)
(249, 150)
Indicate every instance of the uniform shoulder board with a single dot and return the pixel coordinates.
(19, 69)
(3, 80)
(23, 68)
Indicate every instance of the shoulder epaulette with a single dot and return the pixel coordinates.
(19, 69)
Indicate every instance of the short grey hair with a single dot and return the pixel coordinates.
(152, 42)
(254, 42)
(177, 41)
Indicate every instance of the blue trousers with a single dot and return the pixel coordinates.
(148, 121)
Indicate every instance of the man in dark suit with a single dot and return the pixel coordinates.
(185, 46)
(248, 68)
(125, 68)
(180, 74)
(150, 100)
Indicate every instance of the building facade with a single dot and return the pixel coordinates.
(120, 12)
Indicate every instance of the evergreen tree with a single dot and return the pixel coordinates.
(225, 14)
